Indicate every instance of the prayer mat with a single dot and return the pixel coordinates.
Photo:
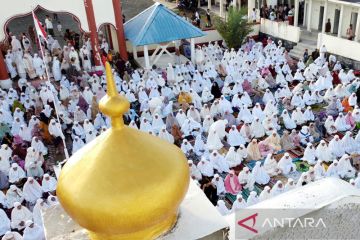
(277, 157)
(245, 192)
(296, 153)
(317, 107)
(302, 166)
(231, 198)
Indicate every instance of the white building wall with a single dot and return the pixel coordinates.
(280, 30)
(332, 6)
(340, 46)
(347, 18)
(315, 14)
(114, 39)
(103, 9)
(331, 14)
(19, 8)
(272, 3)
(104, 12)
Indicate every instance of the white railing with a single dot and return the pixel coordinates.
(280, 30)
(340, 46)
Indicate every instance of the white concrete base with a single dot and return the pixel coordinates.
(6, 84)
(163, 61)
(198, 219)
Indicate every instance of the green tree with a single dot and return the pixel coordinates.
(236, 27)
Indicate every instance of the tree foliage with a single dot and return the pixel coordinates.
(236, 27)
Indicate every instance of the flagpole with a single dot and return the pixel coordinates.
(48, 80)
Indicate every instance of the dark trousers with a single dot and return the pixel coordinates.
(51, 31)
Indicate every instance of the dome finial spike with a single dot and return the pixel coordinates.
(113, 104)
(111, 86)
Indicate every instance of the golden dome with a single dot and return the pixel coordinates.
(125, 184)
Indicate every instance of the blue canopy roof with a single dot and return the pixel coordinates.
(157, 24)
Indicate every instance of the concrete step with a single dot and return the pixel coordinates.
(294, 56)
(307, 39)
(297, 51)
(302, 49)
(307, 44)
(311, 34)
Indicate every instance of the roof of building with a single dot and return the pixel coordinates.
(157, 24)
(351, 1)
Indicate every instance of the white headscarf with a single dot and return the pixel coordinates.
(33, 231)
(12, 236)
(186, 147)
(309, 154)
(13, 195)
(239, 203)
(19, 214)
(219, 162)
(277, 189)
(38, 208)
(218, 182)
(289, 185)
(260, 175)
(234, 138)
(221, 207)
(286, 165)
(32, 190)
(48, 183)
(252, 199)
(334, 147)
(265, 194)
(55, 129)
(4, 222)
(165, 135)
(345, 169)
(16, 173)
(194, 171)
(39, 146)
(206, 168)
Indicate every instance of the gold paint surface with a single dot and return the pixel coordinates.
(125, 184)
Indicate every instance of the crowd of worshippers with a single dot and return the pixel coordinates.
(245, 119)
(281, 12)
(24, 62)
(36, 118)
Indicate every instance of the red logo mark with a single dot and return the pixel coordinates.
(253, 217)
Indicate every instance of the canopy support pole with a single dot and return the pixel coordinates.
(135, 53)
(192, 45)
(146, 56)
(155, 52)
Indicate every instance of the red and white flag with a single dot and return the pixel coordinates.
(40, 30)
